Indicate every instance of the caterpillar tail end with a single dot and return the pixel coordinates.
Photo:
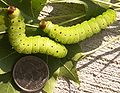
(62, 54)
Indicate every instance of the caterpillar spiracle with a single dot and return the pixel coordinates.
(32, 44)
(74, 34)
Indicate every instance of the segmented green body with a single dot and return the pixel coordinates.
(33, 44)
(79, 32)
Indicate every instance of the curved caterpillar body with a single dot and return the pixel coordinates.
(79, 32)
(33, 44)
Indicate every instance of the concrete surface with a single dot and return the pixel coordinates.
(99, 72)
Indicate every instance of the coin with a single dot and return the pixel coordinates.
(30, 73)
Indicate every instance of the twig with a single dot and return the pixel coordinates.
(62, 16)
(108, 3)
(7, 55)
(72, 19)
(34, 26)
(3, 32)
(4, 2)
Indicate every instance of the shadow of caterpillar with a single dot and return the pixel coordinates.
(79, 32)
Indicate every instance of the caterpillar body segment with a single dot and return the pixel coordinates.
(79, 32)
(33, 44)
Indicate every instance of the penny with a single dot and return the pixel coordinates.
(30, 73)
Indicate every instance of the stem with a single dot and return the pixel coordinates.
(90, 52)
(34, 26)
(67, 69)
(73, 19)
(117, 3)
(3, 32)
(117, 9)
(7, 55)
(108, 3)
(32, 9)
(3, 8)
(62, 16)
(53, 1)
(4, 2)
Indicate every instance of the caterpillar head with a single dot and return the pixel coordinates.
(13, 12)
(42, 24)
(46, 26)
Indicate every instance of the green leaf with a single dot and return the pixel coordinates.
(87, 6)
(58, 67)
(3, 3)
(53, 64)
(73, 49)
(2, 28)
(7, 88)
(37, 6)
(5, 77)
(5, 84)
(1, 36)
(64, 10)
(3, 21)
(69, 71)
(62, 68)
(50, 85)
(8, 57)
(77, 57)
(30, 8)
(7, 60)
(93, 9)
(101, 4)
(68, 1)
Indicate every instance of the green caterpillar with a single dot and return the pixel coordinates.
(33, 44)
(79, 32)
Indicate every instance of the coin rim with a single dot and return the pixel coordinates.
(24, 89)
